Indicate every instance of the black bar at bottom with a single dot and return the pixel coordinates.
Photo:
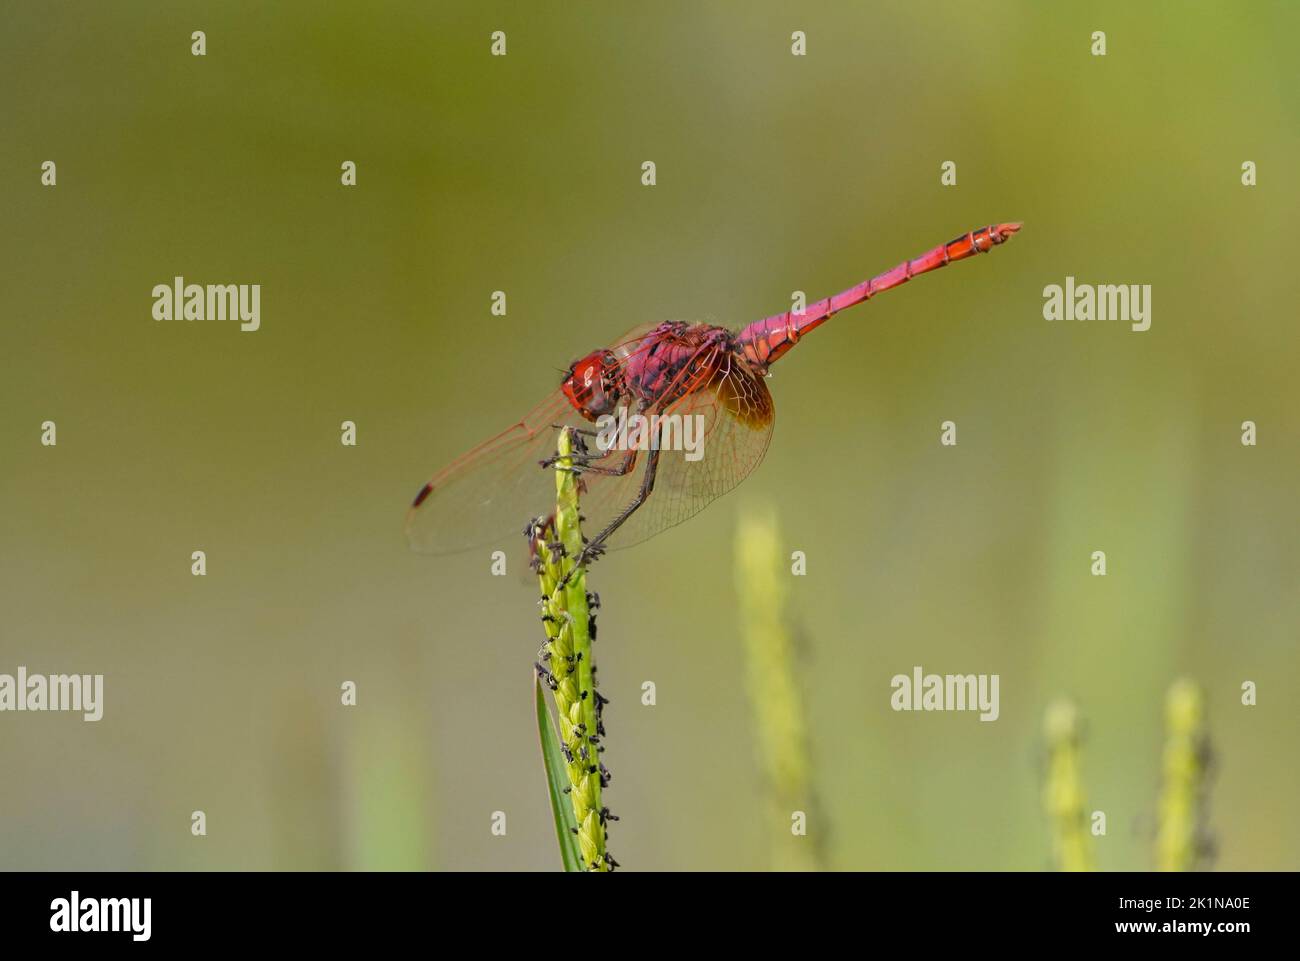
(550, 911)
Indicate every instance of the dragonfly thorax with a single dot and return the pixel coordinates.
(594, 384)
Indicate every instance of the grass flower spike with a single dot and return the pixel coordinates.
(1063, 797)
(1181, 837)
(566, 663)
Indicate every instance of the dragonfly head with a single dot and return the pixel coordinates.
(592, 384)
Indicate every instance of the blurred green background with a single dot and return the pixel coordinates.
(522, 173)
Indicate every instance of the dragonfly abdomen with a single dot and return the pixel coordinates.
(764, 341)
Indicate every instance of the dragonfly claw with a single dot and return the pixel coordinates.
(588, 554)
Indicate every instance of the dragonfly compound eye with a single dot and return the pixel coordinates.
(590, 386)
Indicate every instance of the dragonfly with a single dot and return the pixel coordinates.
(634, 485)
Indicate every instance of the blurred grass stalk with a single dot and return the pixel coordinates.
(763, 587)
(1180, 830)
(570, 672)
(388, 815)
(1063, 797)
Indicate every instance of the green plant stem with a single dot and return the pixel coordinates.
(570, 670)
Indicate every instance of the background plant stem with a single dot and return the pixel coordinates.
(1063, 796)
(762, 586)
(1180, 833)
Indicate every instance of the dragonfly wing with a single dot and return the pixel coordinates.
(487, 495)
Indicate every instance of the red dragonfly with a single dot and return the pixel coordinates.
(711, 375)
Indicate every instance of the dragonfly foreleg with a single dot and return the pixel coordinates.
(580, 464)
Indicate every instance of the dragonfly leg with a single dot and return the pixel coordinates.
(596, 546)
(582, 464)
(577, 430)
